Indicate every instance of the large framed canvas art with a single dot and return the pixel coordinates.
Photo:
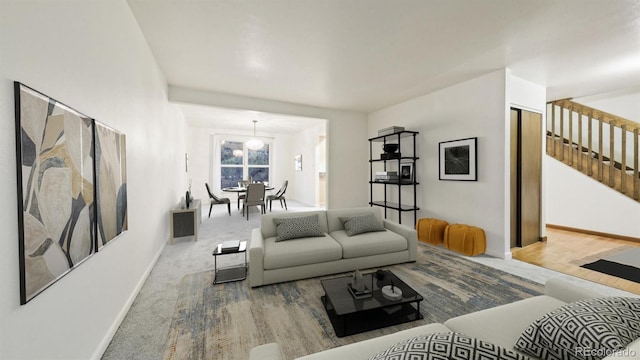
(111, 183)
(56, 207)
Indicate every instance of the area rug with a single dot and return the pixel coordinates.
(225, 321)
(625, 265)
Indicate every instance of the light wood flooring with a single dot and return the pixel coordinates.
(565, 251)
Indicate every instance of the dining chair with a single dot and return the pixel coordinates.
(217, 201)
(279, 195)
(242, 184)
(255, 196)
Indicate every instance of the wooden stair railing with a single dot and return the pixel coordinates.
(606, 149)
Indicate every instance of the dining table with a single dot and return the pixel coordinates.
(242, 189)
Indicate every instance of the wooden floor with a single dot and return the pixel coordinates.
(565, 251)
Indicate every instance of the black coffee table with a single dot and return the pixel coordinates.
(350, 316)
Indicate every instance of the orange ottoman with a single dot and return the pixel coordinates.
(431, 230)
(465, 239)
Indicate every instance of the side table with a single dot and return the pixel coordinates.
(229, 274)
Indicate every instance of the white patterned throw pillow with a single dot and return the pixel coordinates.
(358, 224)
(297, 227)
(446, 346)
(588, 329)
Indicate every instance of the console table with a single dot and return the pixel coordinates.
(184, 221)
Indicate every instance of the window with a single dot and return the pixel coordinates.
(235, 166)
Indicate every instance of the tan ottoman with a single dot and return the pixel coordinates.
(431, 230)
(465, 239)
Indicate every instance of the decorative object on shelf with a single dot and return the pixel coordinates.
(391, 292)
(390, 130)
(406, 172)
(380, 274)
(298, 162)
(390, 151)
(458, 159)
(187, 199)
(255, 143)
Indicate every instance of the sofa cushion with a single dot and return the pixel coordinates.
(268, 227)
(447, 345)
(358, 224)
(333, 216)
(502, 325)
(367, 244)
(297, 227)
(302, 251)
(587, 329)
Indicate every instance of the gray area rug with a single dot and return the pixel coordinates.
(629, 257)
(602, 255)
(225, 321)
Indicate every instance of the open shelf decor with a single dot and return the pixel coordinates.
(393, 170)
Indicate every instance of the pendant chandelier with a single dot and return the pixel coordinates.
(255, 143)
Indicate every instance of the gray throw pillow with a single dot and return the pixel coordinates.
(297, 227)
(448, 345)
(358, 224)
(587, 329)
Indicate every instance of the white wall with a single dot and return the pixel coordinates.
(305, 183)
(347, 157)
(475, 108)
(91, 56)
(604, 210)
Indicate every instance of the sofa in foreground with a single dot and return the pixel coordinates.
(566, 311)
(292, 246)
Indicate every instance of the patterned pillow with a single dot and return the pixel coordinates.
(587, 329)
(297, 227)
(447, 345)
(358, 224)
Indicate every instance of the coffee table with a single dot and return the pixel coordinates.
(350, 316)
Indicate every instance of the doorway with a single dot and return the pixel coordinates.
(526, 177)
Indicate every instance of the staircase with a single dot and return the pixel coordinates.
(598, 144)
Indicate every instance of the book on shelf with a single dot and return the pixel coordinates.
(387, 177)
(230, 246)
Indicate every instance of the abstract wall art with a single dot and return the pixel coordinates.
(72, 188)
(56, 213)
(458, 159)
(111, 183)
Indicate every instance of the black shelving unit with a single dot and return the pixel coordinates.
(408, 139)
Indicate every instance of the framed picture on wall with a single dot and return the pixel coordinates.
(458, 159)
(297, 161)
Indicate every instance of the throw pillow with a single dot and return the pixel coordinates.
(448, 345)
(297, 227)
(587, 329)
(358, 224)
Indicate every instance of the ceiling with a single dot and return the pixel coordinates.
(365, 55)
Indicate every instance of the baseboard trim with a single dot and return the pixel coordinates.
(97, 355)
(596, 233)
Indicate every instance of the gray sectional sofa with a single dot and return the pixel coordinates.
(501, 326)
(272, 261)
